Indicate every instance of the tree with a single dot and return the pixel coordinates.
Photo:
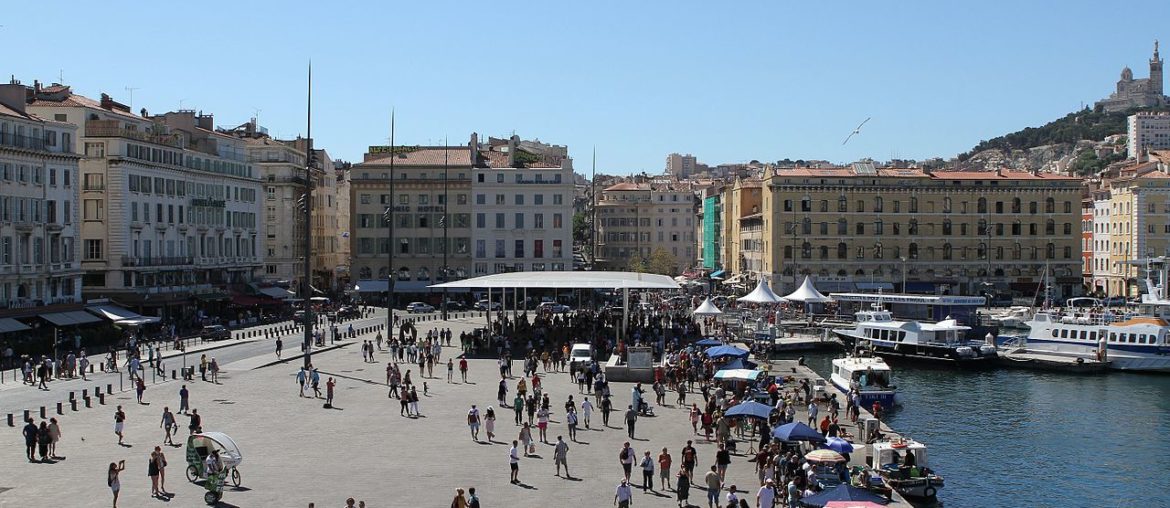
(581, 233)
(661, 262)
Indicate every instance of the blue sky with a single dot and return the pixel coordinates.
(726, 81)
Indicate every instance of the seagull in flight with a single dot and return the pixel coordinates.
(855, 131)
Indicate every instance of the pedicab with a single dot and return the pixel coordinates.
(199, 446)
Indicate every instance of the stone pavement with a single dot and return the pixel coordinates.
(296, 452)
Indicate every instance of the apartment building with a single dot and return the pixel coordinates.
(1133, 224)
(39, 265)
(960, 232)
(523, 209)
(636, 219)
(1146, 131)
(743, 224)
(170, 208)
(432, 217)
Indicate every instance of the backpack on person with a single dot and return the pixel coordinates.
(624, 454)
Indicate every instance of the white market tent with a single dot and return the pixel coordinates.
(707, 309)
(762, 294)
(624, 281)
(807, 293)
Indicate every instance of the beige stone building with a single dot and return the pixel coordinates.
(1132, 223)
(636, 219)
(421, 198)
(862, 227)
(743, 233)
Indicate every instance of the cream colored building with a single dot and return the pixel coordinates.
(636, 219)
(170, 208)
(1133, 224)
(862, 227)
(744, 234)
(39, 265)
(344, 250)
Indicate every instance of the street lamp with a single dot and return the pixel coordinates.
(903, 258)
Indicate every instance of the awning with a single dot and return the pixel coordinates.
(12, 325)
(277, 292)
(121, 316)
(717, 273)
(70, 318)
(249, 300)
(928, 287)
(214, 296)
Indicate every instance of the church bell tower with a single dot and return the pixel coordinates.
(1156, 72)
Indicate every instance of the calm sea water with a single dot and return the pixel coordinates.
(1010, 438)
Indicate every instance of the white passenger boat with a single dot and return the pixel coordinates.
(902, 463)
(871, 376)
(940, 342)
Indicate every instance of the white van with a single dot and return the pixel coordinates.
(580, 353)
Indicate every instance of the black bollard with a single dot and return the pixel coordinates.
(102, 399)
(110, 387)
(11, 420)
(88, 402)
(27, 414)
(173, 374)
(72, 396)
(73, 405)
(44, 414)
(60, 409)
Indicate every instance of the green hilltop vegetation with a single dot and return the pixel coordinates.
(1086, 124)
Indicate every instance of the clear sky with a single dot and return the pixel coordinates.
(726, 81)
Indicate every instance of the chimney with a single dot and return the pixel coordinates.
(13, 95)
(106, 102)
(473, 149)
(206, 122)
(512, 150)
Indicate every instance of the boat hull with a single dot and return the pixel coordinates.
(1156, 361)
(868, 397)
(924, 353)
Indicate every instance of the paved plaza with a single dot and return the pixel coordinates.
(297, 452)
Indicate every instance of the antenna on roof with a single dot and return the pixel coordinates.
(61, 76)
(256, 116)
(131, 89)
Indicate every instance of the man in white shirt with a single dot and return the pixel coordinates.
(624, 496)
(561, 456)
(766, 496)
(514, 461)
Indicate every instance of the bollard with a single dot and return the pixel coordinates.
(61, 411)
(110, 386)
(11, 420)
(73, 405)
(44, 414)
(173, 374)
(88, 402)
(102, 399)
(27, 415)
(72, 396)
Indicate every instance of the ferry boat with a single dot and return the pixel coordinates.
(902, 464)
(870, 375)
(1015, 317)
(944, 341)
(1132, 339)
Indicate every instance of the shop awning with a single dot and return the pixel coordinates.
(70, 318)
(120, 316)
(12, 325)
(277, 292)
(249, 300)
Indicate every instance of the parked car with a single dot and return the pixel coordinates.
(419, 307)
(581, 353)
(483, 305)
(454, 305)
(553, 307)
(348, 312)
(215, 332)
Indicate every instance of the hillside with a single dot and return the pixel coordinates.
(1081, 125)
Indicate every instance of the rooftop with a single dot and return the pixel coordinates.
(435, 156)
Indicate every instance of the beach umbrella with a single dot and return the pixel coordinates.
(839, 445)
(797, 431)
(718, 351)
(824, 455)
(738, 374)
(842, 492)
(750, 409)
(709, 342)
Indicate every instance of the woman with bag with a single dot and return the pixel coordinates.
(489, 423)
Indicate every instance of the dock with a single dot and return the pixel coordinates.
(1023, 358)
(862, 451)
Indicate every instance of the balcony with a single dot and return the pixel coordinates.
(21, 141)
(24, 226)
(110, 129)
(131, 261)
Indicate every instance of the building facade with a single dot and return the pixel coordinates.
(744, 227)
(170, 208)
(711, 217)
(432, 189)
(932, 232)
(523, 208)
(39, 264)
(637, 219)
(1134, 225)
(681, 166)
(1137, 93)
(1147, 131)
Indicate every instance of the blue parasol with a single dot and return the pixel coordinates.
(839, 445)
(797, 431)
(709, 342)
(750, 409)
(718, 351)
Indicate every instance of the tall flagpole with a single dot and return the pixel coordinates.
(446, 218)
(307, 290)
(390, 299)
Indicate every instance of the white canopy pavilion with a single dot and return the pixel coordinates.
(762, 294)
(807, 293)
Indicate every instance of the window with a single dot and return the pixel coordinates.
(480, 199)
(842, 204)
(94, 210)
(500, 249)
(842, 251)
(499, 178)
(557, 221)
(519, 199)
(93, 249)
(538, 248)
(519, 221)
(538, 199)
(480, 220)
(538, 221)
(557, 249)
(94, 181)
(404, 199)
(500, 199)
(499, 221)
(519, 251)
(424, 199)
(558, 199)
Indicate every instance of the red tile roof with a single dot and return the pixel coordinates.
(426, 156)
(919, 173)
(1003, 175)
(81, 101)
(626, 186)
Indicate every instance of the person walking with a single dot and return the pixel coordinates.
(183, 394)
(315, 377)
(561, 456)
(473, 422)
(169, 425)
(623, 496)
(664, 461)
(152, 472)
(451, 371)
(489, 423)
(525, 437)
(766, 496)
(472, 499)
(626, 459)
(586, 410)
(214, 368)
(689, 457)
(30, 439)
(463, 368)
(414, 401)
(518, 408)
(203, 367)
(722, 460)
(162, 472)
(683, 488)
(279, 347)
(112, 479)
(514, 462)
(54, 436)
(329, 384)
(119, 422)
(502, 391)
(571, 421)
(812, 413)
(140, 388)
(606, 408)
(714, 485)
(196, 423)
(647, 464)
(43, 440)
(542, 424)
(631, 420)
(459, 501)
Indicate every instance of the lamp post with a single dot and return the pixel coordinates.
(903, 258)
(307, 291)
(444, 219)
(390, 238)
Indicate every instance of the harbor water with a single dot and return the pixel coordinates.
(1010, 438)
